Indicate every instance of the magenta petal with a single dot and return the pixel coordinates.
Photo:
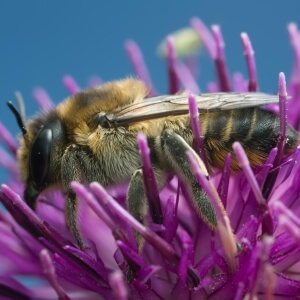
(12, 289)
(146, 273)
(28, 219)
(131, 256)
(97, 266)
(8, 162)
(286, 287)
(8, 140)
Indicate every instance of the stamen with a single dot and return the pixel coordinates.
(134, 260)
(295, 42)
(136, 57)
(149, 180)
(196, 128)
(186, 78)
(212, 87)
(245, 165)
(221, 67)
(71, 85)
(83, 193)
(224, 181)
(267, 222)
(187, 255)
(43, 99)
(94, 81)
(290, 227)
(171, 60)
(260, 258)
(49, 271)
(270, 181)
(170, 221)
(157, 242)
(250, 61)
(239, 83)
(223, 223)
(145, 274)
(267, 166)
(205, 36)
(282, 209)
(292, 163)
(294, 86)
(118, 285)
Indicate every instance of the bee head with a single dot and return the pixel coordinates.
(40, 154)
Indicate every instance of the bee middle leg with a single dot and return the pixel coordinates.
(136, 199)
(136, 196)
(175, 148)
(137, 203)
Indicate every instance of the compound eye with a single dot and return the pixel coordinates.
(40, 157)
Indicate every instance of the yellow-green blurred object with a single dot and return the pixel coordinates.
(186, 41)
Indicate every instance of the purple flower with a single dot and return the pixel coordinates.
(181, 257)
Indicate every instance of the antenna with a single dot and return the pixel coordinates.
(21, 105)
(18, 117)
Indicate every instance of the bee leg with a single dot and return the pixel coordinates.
(136, 200)
(137, 203)
(136, 196)
(71, 171)
(175, 148)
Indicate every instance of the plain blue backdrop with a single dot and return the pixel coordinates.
(41, 41)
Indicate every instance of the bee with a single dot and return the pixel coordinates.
(91, 136)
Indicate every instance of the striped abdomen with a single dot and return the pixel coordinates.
(256, 129)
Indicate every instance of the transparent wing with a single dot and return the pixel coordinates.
(161, 106)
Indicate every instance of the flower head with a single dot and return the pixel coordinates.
(255, 251)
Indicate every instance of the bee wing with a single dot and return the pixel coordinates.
(170, 105)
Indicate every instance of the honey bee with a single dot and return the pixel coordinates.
(91, 136)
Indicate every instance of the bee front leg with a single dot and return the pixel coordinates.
(71, 171)
(175, 148)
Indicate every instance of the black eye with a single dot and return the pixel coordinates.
(40, 157)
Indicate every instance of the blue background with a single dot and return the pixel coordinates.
(41, 41)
